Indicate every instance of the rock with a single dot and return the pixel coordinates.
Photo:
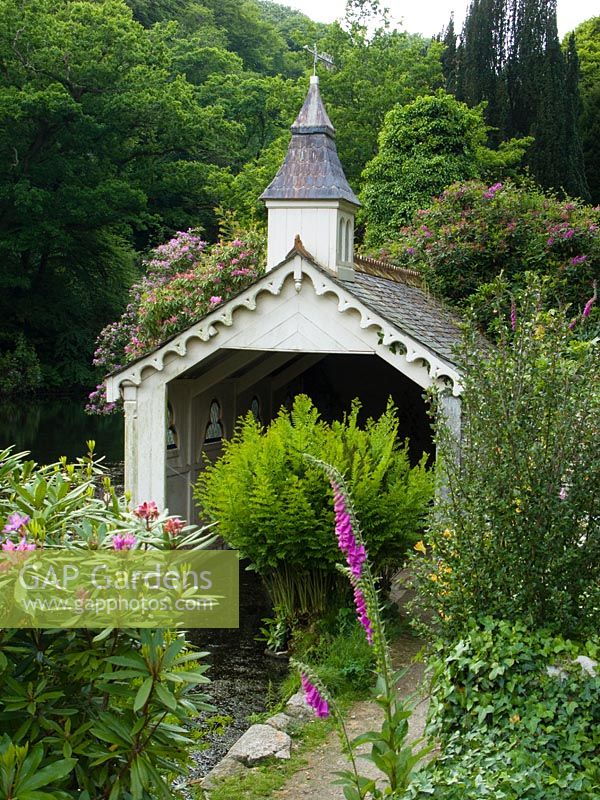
(260, 742)
(588, 665)
(298, 708)
(556, 672)
(227, 768)
(281, 722)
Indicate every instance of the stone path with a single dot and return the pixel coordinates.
(314, 779)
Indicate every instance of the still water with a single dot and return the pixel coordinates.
(243, 678)
(59, 427)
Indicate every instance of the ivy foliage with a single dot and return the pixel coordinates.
(516, 716)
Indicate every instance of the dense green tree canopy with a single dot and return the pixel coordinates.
(587, 39)
(112, 134)
(123, 121)
(423, 147)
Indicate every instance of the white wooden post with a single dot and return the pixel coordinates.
(150, 452)
(450, 407)
(131, 463)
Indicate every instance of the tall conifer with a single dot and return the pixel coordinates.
(511, 57)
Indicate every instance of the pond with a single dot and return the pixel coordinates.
(243, 678)
(50, 428)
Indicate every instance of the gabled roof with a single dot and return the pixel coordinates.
(312, 169)
(404, 314)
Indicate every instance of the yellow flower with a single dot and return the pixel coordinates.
(421, 547)
(432, 576)
(515, 718)
(447, 534)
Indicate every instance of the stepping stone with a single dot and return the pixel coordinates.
(259, 743)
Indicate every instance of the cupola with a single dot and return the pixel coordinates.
(310, 196)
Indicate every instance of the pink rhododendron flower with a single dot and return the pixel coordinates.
(10, 547)
(576, 260)
(147, 511)
(174, 526)
(15, 522)
(215, 300)
(124, 542)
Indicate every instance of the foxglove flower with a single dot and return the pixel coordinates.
(363, 614)
(355, 553)
(314, 698)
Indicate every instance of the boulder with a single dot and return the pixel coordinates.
(298, 708)
(259, 743)
(281, 722)
(227, 768)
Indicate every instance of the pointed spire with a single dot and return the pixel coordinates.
(312, 117)
(312, 168)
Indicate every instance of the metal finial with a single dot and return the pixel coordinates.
(324, 57)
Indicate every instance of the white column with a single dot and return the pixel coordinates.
(450, 408)
(150, 456)
(131, 464)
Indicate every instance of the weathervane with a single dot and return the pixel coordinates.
(324, 57)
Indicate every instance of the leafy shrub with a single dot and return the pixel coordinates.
(185, 279)
(20, 369)
(425, 146)
(516, 533)
(274, 506)
(473, 232)
(93, 717)
(508, 728)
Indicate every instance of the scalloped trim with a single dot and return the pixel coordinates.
(401, 346)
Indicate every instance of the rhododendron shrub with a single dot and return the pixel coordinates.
(96, 714)
(473, 232)
(184, 280)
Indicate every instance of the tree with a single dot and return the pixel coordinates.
(424, 147)
(516, 533)
(370, 78)
(510, 57)
(587, 39)
(449, 56)
(100, 142)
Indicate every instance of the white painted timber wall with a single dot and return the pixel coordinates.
(317, 222)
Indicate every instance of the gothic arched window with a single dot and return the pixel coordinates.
(172, 437)
(348, 243)
(340, 241)
(255, 409)
(214, 429)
